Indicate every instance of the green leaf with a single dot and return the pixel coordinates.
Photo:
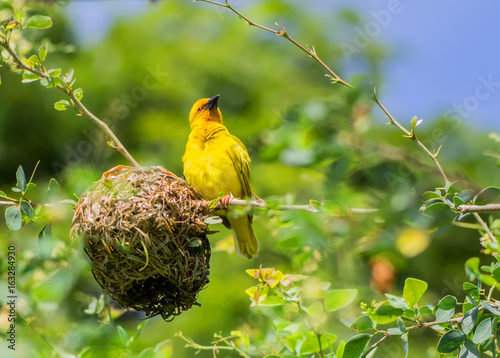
(487, 195)
(311, 344)
(39, 22)
(469, 350)
(46, 81)
(164, 349)
(447, 302)
(414, 122)
(62, 105)
(413, 290)
(54, 72)
(29, 77)
(355, 346)
(42, 52)
(13, 217)
(444, 315)
(27, 209)
(472, 290)
(451, 341)
(472, 268)
(436, 207)
(21, 179)
(78, 93)
(496, 273)
(45, 242)
(483, 331)
(69, 75)
(2, 194)
(30, 186)
(337, 299)
(363, 323)
(490, 308)
(35, 60)
(424, 310)
(469, 320)
(396, 301)
(401, 325)
(467, 195)
(339, 353)
(316, 310)
(406, 344)
(273, 301)
(386, 313)
(124, 339)
(5, 5)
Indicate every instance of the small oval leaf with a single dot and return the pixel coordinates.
(39, 22)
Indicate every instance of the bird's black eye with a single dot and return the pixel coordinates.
(200, 109)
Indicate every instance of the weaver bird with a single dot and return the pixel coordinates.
(216, 161)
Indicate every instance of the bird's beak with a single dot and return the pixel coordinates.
(212, 102)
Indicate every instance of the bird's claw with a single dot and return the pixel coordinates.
(225, 201)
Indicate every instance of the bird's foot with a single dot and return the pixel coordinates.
(225, 201)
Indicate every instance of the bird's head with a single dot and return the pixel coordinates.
(205, 110)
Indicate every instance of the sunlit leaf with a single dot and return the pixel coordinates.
(123, 335)
(337, 299)
(413, 290)
(39, 22)
(363, 323)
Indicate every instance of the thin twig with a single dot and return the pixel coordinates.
(479, 208)
(193, 344)
(34, 203)
(376, 344)
(283, 33)
(413, 137)
(310, 208)
(485, 227)
(81, 108)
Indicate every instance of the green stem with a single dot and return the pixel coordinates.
(413, 137)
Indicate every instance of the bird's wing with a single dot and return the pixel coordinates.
(241, 161)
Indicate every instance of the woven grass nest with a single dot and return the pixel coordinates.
(144, 232)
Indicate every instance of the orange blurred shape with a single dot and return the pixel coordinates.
(383, 274)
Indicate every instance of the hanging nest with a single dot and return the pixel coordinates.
(144, 232)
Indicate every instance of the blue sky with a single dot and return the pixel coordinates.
(444, 55)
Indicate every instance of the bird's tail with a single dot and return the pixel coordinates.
(245, 241)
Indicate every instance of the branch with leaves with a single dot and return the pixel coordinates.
(281, 31)
(34, 69)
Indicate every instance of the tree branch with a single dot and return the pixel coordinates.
(283, 33)
(485, 227)
(413, 137)
(191, 343)
(79, 105)
(479, 208)
(262, 204)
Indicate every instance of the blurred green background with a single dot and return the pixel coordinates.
(308, 139)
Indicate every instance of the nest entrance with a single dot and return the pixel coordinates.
(145, 235)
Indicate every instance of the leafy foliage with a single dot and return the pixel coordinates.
(317, 144)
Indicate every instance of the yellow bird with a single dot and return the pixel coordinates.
(216, 161)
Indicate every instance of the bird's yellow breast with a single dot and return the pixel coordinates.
(209, 165)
